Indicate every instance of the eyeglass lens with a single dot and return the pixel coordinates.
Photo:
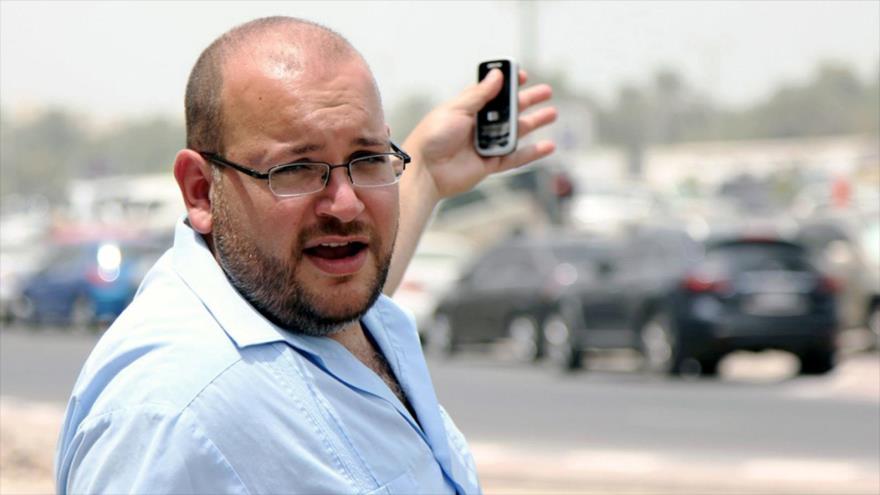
(304, 178)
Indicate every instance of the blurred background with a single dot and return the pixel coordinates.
(685, 297)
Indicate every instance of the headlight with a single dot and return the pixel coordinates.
(109, 261)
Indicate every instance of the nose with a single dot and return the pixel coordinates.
(339, 199)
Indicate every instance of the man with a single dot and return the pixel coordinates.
(259, 355)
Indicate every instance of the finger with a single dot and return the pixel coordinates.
(526, 154)
(523, 76)
(534, 120)
(534, 95)
(475, 97)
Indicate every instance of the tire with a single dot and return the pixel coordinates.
(82, 313)
(23, 311)
(560, 347)
(660, 347)
(709, 365)
(524, 335)
(441, 338)
(816, 361)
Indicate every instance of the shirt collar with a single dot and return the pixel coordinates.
(392, 329)
(246, 326)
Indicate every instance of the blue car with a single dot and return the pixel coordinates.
(86, 283)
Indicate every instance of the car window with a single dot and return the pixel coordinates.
(817, 237)
(66, 259)
(745, 257)
(505, 267)
(582, 257)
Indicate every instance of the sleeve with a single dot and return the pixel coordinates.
(463, 465)
(147, 450)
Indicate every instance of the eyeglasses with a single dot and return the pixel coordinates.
(301, 178)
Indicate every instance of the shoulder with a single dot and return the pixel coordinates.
(163, 349)
(109, 452)
(131, 398)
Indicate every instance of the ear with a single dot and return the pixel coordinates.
(193, 174)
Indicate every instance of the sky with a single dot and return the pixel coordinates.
(119, 60)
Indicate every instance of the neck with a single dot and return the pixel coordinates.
(353, 338)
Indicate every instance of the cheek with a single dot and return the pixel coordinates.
(384, 207)
(283, 221)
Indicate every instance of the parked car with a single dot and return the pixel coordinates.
(686, 304)
(489, 212)
(86, 283)
(431, 272)
(17, 263)
(848, 248)
(508, 290)
(610, 208)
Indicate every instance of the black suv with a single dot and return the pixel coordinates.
(509, 289)
(685, 304)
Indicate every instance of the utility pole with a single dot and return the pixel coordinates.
(528, 14)
(528, 33)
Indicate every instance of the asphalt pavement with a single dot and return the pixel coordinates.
(759, 428)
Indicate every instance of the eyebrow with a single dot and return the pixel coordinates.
(363, 141)
(359, 141)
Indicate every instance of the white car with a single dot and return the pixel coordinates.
(489, 212)
(434, 268)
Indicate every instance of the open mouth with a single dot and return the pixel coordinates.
(335, 251)
(337, 258)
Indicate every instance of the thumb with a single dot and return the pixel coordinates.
(475, 97)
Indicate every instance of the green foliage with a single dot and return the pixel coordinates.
(833, 101)
(41, 155)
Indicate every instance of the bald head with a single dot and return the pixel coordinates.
(295, 48)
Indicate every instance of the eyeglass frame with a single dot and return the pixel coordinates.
(218, 159)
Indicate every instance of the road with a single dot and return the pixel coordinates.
(758, 428)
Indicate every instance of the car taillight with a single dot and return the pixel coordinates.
(829, 285)
(100, 276)
(95, 278)
(696, 283)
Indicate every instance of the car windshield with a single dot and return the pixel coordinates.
(574, 253)
(746, 257)
(583, 257)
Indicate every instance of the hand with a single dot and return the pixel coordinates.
(443, 142)
(446, 163)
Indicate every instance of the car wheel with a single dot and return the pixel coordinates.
(82, 314)
(709, 365)
(660, 346)
(23, 310)
(816, 361)
(441, 338)
(525, 338)
(559, 344)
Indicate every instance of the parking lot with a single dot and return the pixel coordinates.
(758, 428)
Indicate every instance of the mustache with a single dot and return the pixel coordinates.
(333, 226)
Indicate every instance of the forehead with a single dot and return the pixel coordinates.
(274, 88)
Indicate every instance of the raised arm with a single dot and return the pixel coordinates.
(445, 162)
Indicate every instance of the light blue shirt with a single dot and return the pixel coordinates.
(193, 391)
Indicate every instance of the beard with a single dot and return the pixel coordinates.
(273, 286)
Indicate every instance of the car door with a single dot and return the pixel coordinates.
(493, 288)
(603, 299)
(59, 283)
